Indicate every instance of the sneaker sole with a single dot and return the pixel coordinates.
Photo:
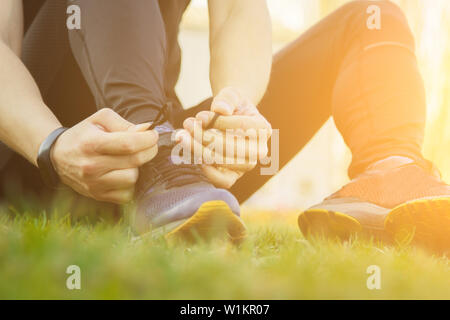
(343, 218)
(328, 224)
(213, 220)
(423, 222)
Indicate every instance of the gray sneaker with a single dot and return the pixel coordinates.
(179, 202)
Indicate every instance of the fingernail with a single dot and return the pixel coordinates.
(189, 124)
(155, 133)
(224, 106)
(140, 127)
(203, 117)
(179, 136)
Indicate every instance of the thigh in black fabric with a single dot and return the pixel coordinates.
(30, 10)
(172, 13)
(121, 49)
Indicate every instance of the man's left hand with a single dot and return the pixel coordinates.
(238, 117)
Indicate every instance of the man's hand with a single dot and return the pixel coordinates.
(100, 156)
(239, 115)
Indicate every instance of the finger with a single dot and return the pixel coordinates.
(220, 177)
(226, 101)
(135, 160)
(245, 167)
(126, 143)
(241, 122)
(238, 146)
(182, 134)
(117, 196)
(209, 119)
(216, 153)
(244, 122)
(196, 129)
(205, 153)
(247, 110)
(140, 127)
(110, 121)
(140, 158)
(117, 179)
(205, 117)
(191, 124)
(102, 164)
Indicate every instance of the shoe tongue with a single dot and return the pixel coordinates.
(165, 132)
(166, 158)
(165, 146)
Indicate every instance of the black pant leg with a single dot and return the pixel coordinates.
(121, 49)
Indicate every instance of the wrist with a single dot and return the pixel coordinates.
(45, 158)
(243, 94)
(42, 129)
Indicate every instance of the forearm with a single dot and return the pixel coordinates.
(241, 47)
(25, 120)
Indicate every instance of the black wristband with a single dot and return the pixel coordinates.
(44, 162)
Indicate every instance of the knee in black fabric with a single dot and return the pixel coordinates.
(374, 23)
(121, 49)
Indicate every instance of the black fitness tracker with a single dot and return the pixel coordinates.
(44, 162)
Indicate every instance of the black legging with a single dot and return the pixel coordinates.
(366, 79)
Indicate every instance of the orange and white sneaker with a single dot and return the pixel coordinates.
(397, 198)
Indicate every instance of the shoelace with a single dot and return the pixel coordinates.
(162, 170)
(161, 117)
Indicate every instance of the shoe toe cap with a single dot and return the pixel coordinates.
(182, 203)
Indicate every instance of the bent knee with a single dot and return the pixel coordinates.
(379, 21)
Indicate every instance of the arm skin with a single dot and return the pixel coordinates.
(20, 99)
(241, 47)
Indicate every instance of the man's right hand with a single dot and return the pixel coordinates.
(100, 156)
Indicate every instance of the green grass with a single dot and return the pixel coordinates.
(275, 262)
